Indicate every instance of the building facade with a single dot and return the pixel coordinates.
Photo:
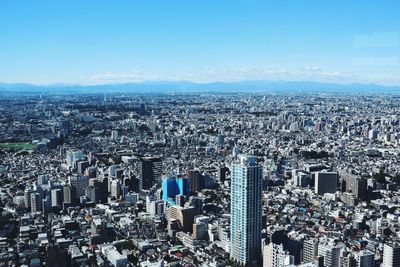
(246, 210)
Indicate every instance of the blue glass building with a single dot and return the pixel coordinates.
(173, 186)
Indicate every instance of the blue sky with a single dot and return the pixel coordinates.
(94, 42)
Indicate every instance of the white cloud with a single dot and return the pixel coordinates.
(206, 75)
(311, 68)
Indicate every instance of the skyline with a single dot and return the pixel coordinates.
(87, 42)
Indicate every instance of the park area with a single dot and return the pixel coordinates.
(22, 146)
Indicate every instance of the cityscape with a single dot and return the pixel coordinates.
(244, 136)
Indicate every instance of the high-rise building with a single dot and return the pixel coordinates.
(112, 171)
(67, 194)
(65, 125)
(46, 204)
(200, 227)
(78, 183)
(326, 182)
(295, 247)
(221, 139)
(72, 156)
(355, 185)
(174, 186)
(97, 190)
(150, 171)
(36, 202)
(82, 166)
(115, 188)
(56, 197)
(27, 197)
(196, 180)
(391, 255)
(310, 250)
(246, 210)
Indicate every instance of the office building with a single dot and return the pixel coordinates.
(42, 179)
(78, 183)
(72, 156)
(196, 180)
(174, 186)
(326, 182)
(355, 185)
(56, 197)
(150, 171)
(82, 166)
(200, 227)
(222, 173)
(115, 189)
(67, 194)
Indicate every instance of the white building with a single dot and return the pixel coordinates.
(331, 254)
(275, 256)
(112, 254)
(391, 255)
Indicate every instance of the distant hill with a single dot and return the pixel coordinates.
(191, 87)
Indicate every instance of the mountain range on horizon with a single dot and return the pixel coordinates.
(169, 87)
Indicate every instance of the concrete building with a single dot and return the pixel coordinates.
(275, 256)
(331, 254)
(391, 255)
(310, 250)
(185, 216)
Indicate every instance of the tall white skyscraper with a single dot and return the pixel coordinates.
(246, 210)
(391, 255)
